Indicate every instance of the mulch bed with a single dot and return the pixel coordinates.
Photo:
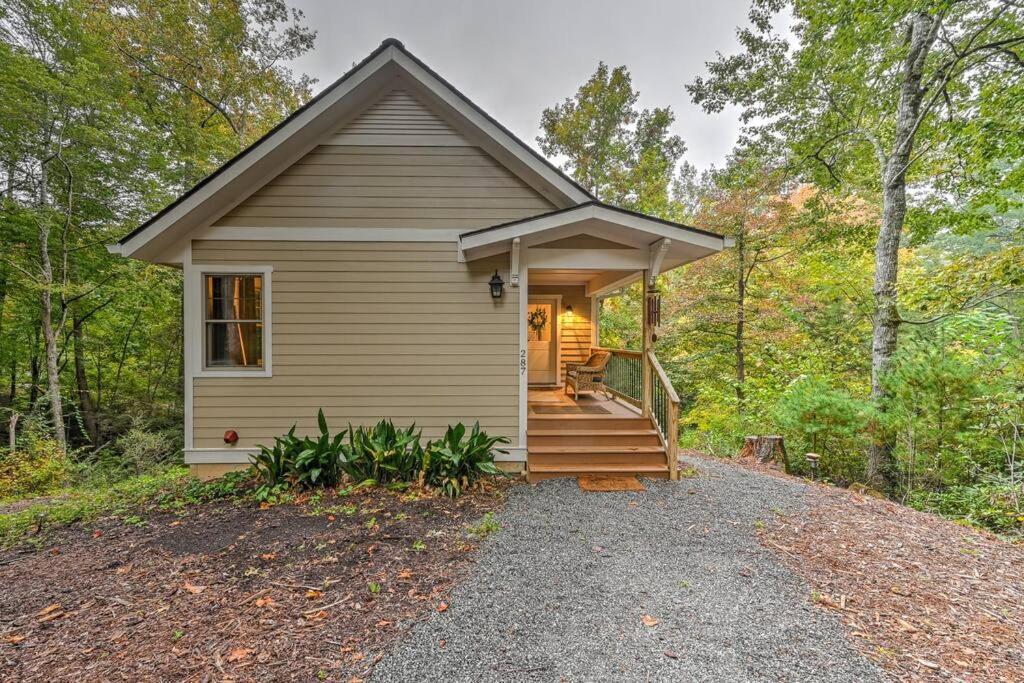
(923, 597)
(232, 592)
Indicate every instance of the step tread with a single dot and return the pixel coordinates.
(590, 432)
(536, 450)
(597, 469)
(582, 417)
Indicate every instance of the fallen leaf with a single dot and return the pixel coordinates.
(649, 620)
(405, 574)
(13, 639)
(357, 657)
(268, 556)
(123, 569)
(97, 533)
(176, 522)
(313, 594)
(193, 589)
(442, 607)
(238, 654)
(907, 626)
(330, 518)
(48, 609)
(265, 602)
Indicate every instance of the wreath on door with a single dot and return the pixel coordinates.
(537, 320)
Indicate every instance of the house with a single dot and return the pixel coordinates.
(391, 251)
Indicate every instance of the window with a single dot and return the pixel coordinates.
(233, 320)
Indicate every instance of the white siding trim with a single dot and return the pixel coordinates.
(223, 232)
(189, 301)
(194, 319)
(524, 379)
(218, 456)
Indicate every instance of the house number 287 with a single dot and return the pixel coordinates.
(522, 361)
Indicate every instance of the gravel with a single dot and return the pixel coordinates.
(562, 592)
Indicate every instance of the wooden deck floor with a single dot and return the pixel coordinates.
(554, 401)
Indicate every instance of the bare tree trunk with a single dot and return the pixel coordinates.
(33, 393)
(50, 337)
(85, 403)
(741, 321)
(886, 320)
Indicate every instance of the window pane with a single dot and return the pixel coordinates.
(234, 297)
(234, 345)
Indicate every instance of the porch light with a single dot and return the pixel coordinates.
(568, 312)
(497, 286)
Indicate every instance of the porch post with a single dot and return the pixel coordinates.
(647, 392)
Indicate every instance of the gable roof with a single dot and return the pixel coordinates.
(298, 133)
(684, 243)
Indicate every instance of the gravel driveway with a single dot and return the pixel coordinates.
(562, 591)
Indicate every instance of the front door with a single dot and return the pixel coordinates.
(542, 340)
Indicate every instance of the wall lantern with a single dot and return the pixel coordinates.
(568, 312)
(497, 286)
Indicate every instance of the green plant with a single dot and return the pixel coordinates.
(383, 453)
(374, 587)
(41, 467)
(419, 545)
(485, 527)
(306, 461)
(456, 461)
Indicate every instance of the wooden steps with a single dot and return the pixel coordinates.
(574, 445)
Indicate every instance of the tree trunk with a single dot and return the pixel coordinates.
(46, 318)
(33, 392)
(50, 337)
(741, 321)
(886, 320)
(85, 403)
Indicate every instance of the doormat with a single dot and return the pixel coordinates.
(607, 483)
(568, 410)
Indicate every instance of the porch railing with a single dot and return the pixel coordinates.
(625, 377)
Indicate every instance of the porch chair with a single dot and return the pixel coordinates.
(587, 376)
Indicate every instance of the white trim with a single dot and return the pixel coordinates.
(531, 226)
(218, 456)
(595, 320)
(513, 275)
(190, 297)
(515, 454)
(658, 251)
(194, 318)
(557, 336)
(524, 380)
(224, 232)
(590, 259)
(604, 290)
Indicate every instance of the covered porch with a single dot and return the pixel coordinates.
(564, 264)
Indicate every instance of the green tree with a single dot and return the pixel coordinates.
(873, 96)
(623, 155)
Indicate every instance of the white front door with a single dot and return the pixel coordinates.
(542, 340)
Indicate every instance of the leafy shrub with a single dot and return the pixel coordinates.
(994, 505)
(306, 461)
(456, 461)
(145, 449)
(39, 468)
(383, 453)
(826, 421)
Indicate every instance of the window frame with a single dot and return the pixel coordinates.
(198, 326)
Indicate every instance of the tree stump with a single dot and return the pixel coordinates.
(766, 448)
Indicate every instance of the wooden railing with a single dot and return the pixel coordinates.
(663, 407)
(641, 381)
(624, 374)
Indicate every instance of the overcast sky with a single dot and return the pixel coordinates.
(516, 58)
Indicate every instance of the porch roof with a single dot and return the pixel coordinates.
(635, 231)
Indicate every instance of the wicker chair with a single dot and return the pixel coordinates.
(587, 376)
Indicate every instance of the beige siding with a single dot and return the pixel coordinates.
(398, 165)
(575, 332)
(366, 331)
